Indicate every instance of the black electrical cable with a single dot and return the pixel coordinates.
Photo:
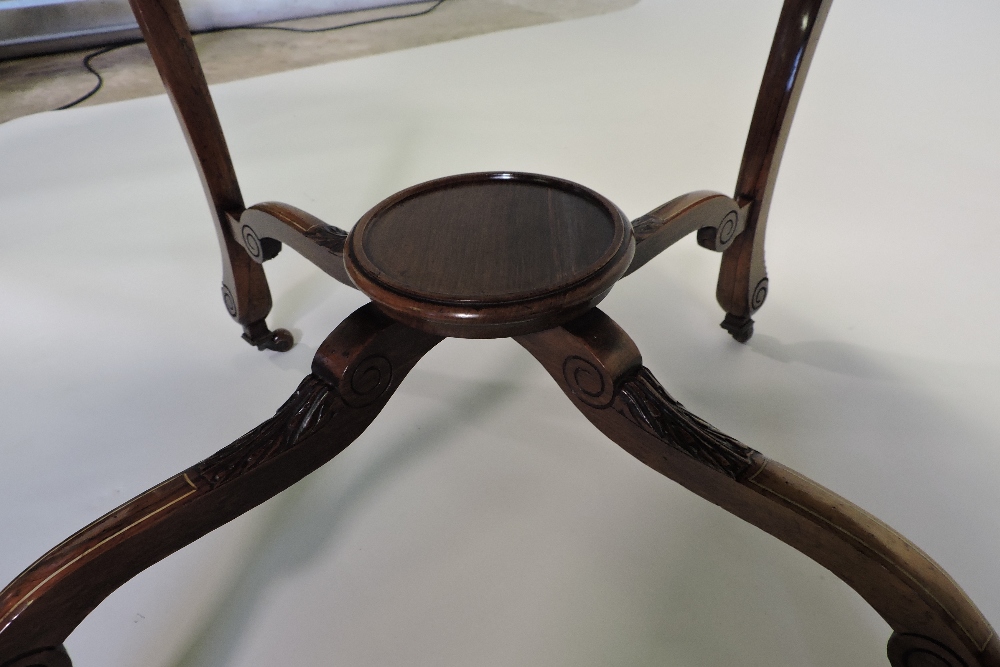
(107, 49)
(90, 68)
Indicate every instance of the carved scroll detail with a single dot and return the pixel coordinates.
(327, 236)
(312, 405)
(587, 382)
(642, 400)
(369, 379)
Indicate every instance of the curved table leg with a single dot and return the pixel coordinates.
(743, 284)
(244, 286)
(355, 372)
(600, 369)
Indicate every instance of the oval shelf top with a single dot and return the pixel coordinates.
(477, 242)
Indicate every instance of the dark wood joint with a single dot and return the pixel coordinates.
(720, 236)
(717, 219)
(589, 357)
(599, 366)
(260, 249)
(367, 356)
(263, 228)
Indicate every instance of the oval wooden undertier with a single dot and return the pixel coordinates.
(489, 255)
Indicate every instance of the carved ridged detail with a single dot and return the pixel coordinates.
(642, 400)
(645, 226)
(327, 236)
(312, 405)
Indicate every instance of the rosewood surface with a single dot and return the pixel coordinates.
(489, 255)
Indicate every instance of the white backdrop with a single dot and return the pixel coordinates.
(480, 520)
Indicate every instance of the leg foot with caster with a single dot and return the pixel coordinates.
(258, 335)
(740, 328)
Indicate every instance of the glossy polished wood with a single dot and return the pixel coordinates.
(320, 243)
(491, 254)
(244, 287)
(355, 372)
(743, 282)
(718, 219)
(600, 369)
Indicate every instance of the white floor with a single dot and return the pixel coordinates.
(480, 521)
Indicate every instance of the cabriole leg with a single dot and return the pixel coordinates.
(600, 369)
(355, 372)
(743, 282)
(244, 286)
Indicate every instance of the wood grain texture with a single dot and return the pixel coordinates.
(743, 282)
(495, 240)
(718, 219)
(905, 586)
(489, 255)
(244, 287)
(43, 605)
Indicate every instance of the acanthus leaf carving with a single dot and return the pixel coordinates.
(312, 405)
(329, 237)
(643, 401)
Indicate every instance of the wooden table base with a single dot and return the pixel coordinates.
(599, 368)
(492, 255)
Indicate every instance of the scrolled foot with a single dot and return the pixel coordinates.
(55, 656)
(740, 328)
(257, 334)
(906, 650)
